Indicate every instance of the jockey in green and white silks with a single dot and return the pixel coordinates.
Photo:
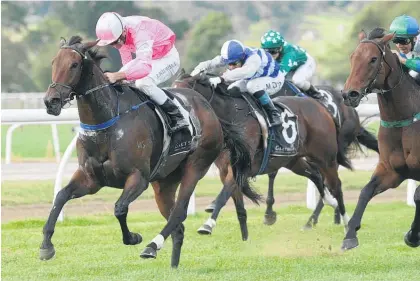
(407, 31)
(292, 58)
(251, 70)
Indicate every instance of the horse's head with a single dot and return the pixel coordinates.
(371, 65)
(200, 83)
(67, 68)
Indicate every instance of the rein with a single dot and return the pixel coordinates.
(73, 94)
(382, 58)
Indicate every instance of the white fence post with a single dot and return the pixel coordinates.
(411, 188)
(56, 142)
(59, 178)
(191, 205)
(9, 135)
(311, 198)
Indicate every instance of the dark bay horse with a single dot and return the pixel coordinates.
(123, 144)
(351, 131)
(318, 144)
(375, 68)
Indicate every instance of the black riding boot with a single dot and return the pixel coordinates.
(273, 114)
(177, 119)
(314, 93)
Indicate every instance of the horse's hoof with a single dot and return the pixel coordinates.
(135, 239)
(270, 219)
(408, 236)
(46, 254)
(205, 230)
(209, 208)
(307, 226)
(349, 244)
(148, 253)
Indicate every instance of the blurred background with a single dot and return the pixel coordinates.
(328, 30)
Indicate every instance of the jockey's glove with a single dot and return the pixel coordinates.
(214, 81)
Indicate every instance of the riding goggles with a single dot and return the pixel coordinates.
(401, 41)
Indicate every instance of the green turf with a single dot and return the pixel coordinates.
(37, 192)
(90, 248)
(35, 141)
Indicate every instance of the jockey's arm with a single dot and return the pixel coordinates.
(286, 63)
(250, 67)
(208, 65)
(413, 64)
(141, 66)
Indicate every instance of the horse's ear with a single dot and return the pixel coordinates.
(182, 71)
(86, 46)
(362, 35)
(387, 38)
(62, 42)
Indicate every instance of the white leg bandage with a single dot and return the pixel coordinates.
(210, 222)
(158, 240)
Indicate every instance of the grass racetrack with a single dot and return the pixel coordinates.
(90, 248)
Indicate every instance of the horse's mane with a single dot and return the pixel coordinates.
(96, 53)
(376, 33)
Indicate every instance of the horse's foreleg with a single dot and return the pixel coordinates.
(165, 198)
(381, 180)
(192, 175)
(270, 216)
(309, 170)
(220, 202)
(79, 185)
(134, 186)
(412, 238)
(226, 176)
(335, 199)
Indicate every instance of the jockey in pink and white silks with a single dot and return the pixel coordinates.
(156, 58)
(251, 70)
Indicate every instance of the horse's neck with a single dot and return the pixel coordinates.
(98, 106)
(403, 101)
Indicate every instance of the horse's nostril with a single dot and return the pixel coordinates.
(353, 94)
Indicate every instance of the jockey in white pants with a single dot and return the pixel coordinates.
(252, 70)
(156, 58)
(292, 58)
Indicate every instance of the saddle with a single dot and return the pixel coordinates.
(177, 145)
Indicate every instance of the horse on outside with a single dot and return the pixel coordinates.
(125, 143)
(375, 68)
(314, 130)
(351, 131)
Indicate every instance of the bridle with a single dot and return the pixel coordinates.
(369, 88)
(72, 92)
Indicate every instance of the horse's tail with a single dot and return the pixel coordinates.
(367, 138)
(342, 157)
(240, 159)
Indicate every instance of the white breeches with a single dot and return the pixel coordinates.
(162, 70)
(269, 84)
(303, 75)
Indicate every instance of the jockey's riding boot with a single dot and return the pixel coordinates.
(314, 93)
(177, 119)
(274, 116)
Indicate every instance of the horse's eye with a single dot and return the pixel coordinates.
(74, 65)
(372, 60)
